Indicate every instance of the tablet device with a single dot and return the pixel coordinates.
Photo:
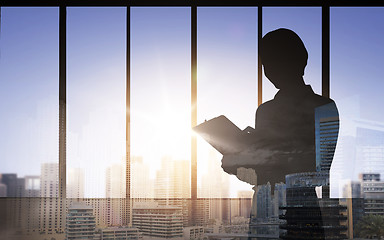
(222, 134)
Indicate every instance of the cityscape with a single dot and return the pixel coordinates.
(94, 173)
(162, 207)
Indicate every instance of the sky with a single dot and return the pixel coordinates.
(160, 80)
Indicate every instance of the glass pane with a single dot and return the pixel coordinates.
(29, 96)
(357, 54)
(96, 58)
(305, 22)
(160, 103)
(227, 85)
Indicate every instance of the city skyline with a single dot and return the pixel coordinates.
(158, 148)
(34, 126)
(213, 184)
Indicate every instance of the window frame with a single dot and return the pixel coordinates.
(325, 6)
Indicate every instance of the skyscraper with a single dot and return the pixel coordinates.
(360, 149)
(142, 187)
(215, 186)
(75, 183)
(173, 185)
(115, 194)
(312, 214)
(51, 219)
(172, 180)
(215, 183)
(245, 203)
(326, 133)
(279, 199)
(163, 182)
(264, 201)
(49, 180)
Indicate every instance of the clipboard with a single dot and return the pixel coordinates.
(223, 135)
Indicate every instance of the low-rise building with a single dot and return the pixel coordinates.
(80, 222)
(158, 221)
(193, 233)
(112, 233)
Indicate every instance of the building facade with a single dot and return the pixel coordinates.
(158, 221)
(310, 213)
(80, 222)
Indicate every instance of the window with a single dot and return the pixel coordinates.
(28, 94)
(96, 84)
(227, 79)
(116, 84)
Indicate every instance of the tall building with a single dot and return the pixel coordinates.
(370, 148)
(360, 149)
(100, 210)
(355, 203)
(51, 220)
(263, 212)
(173, 185)
(181, 188)
(181, 179)
(115, 179)
(264, 201)
(326, 132)
(80, 222)
(372, 190)
(202, 211)
(312, 214)
(20, 211)
(10, 180)
(279, 199)
(115, 194)
(49, 180)
(215, 183)
(142, 187)
(75, 183)
(245, 203)
(164, 184)
(20, 187)
(3, 190)
(215, 187)
(32, 186)
(367, 196)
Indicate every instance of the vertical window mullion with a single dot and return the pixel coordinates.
(62, 114)
(325, 51)
(62, 99)
(128, 215)
(259, 66)
(193, 108)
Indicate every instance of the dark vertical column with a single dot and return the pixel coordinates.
(62, 115)
(325, 52)
(194, 111)
(128, 207)
(62, 100)
(259, 67)
(0, 18)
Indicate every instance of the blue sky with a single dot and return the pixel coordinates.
(160, 75)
